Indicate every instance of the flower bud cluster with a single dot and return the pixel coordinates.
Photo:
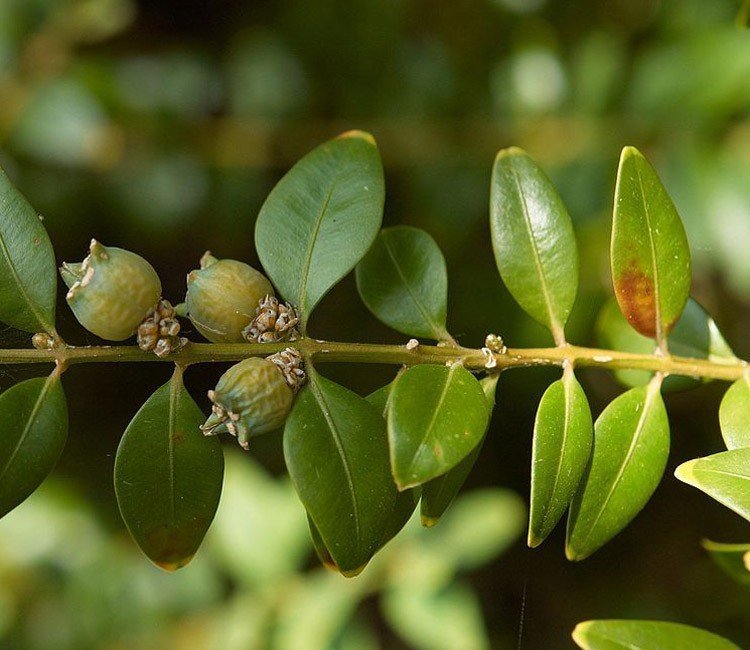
(160, 331)
(274, 321)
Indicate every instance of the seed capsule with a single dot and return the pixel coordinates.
(254, 396)
(111, 291)
(222, 297)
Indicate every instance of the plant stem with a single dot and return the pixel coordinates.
(323, 351)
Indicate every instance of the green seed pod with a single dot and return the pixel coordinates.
(111, 291)
(251, 398)
(222, 297)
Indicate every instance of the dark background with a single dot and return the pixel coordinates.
(160, 126)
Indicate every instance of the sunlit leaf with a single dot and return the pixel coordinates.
(734, 414)
(33, 431)
(28, 273)
(734, 559)
(404, 282)
(436, 416)
(724, 477)
(321, 218)
(650, 254)
(336, 452)
(646, 635)
(533, 239)
(631, 445)
(439, 493)
(168, 476)
(563, 434)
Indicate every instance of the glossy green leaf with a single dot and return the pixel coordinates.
(724, 477)
(336, 452)
(28, 273)
(324, 555)
(646, 635)
(440, 492)
(734, 414)
(631, 445)
(696, 335)
(321, 218)
(404, 282)
(168, 476)
(379, 398)
(733, 559)
(33, 431)
(436, 416)
(563, 434)
(650, 254)
(533, 239)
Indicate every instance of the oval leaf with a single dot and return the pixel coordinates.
(563, 433)
(650, 254)
(440, 492)
(724, 477)
(337, 455)
(33, 431)
(404, 282)
(321, 218)
(734, 414)
(533, 239)
(631, 445)
(28, 273)
(436, 416)
(696, 335)
(168, 476)
(646, 635)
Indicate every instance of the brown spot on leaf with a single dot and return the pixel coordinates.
(636, 296)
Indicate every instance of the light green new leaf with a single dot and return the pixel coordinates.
(563, 434)
(439, 493)
(168, 476)
(336, 452)
(321, 218)
(28, 273)
(631, 445)
(734, 414)
(404, 282)
(733, 559)
(533, 239)
(646, 635)
(724, 477)
(649, 254)
(696, 335)
(33, 431)
(436, 416)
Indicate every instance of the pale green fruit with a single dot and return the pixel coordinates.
(251, 398)
(222, 297)
(111, 291)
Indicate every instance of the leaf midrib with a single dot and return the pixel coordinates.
(336, 436)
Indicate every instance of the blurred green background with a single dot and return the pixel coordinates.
(160, 126)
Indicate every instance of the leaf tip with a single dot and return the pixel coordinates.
(361, 135)
(579, 633)
(429, 522)
(509, 152)
(629, 152)
(533, 540)
(573, 554)
(352, 573)
(174, 565)
(685, 473)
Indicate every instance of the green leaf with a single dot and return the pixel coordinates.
(696, 335)
(734, 414)
(650, 254)
(28, 273)
(33, 431)
(437, 415)
(724, 477)
(324, 555)
(337, 455)
(646, 635)
(168, 476)
(404, 282)
(631, 445)
(321, 218)
(533, 239)
(563, 434)
(419, 614)
(733, 559)
(439, 493)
